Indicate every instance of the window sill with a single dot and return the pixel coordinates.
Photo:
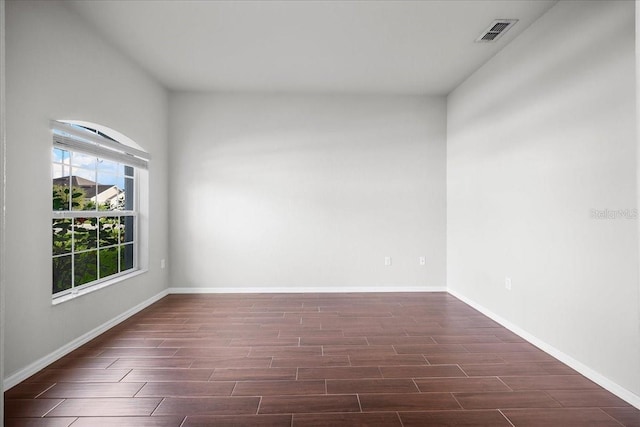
(96, 287)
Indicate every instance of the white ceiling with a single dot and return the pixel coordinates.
(407, 47)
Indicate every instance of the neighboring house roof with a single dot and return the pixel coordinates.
(76, 181)
(99, 193)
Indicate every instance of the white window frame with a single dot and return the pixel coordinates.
(75, 139)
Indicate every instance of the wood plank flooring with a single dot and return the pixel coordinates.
(375, 359)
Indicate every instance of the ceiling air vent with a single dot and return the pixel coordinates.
(496, 30)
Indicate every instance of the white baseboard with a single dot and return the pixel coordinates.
(45, 361)
(305, 289)
(594, 376)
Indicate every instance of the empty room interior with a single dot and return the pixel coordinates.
(319, 213)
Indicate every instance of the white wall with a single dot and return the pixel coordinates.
(57, 68)
(307, 192)
(536, 139)
(637, 52)
(2, 204)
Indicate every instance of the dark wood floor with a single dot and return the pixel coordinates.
(419, 359)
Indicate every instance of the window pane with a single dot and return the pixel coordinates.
(126, 257)
(108, 188)
(128, 194)
(128, 171)
(85, 189)
(127, 229)
(87, 177)
(108, 166)
(109, 193)
(62, 236)
(108, 231)
(60, 196)
(108, 261)
(85, 161)
(85, 267)
(85, 234)
(61, 273)
(60, 156)
(59, 170)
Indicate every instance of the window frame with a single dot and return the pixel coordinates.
(79, 138)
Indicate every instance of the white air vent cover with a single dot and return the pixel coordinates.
(496, 30)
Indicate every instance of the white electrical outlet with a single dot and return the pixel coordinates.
(163, 263)
(422, 260)
(507, 283)
(387, 260)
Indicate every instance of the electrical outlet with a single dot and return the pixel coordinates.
(422, 260)
(387, 261)
(163, 263)
(507, 283)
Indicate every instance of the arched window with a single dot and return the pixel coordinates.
(95, 201)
